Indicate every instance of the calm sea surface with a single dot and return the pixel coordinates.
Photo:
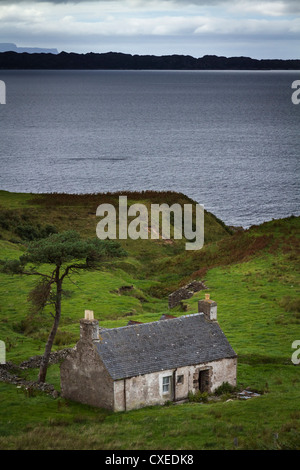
(230, 140)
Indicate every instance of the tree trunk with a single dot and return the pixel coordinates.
(51, 337)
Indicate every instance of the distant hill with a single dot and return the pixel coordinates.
(120, 61)
(9, 46)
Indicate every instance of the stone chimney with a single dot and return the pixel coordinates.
(89, 327)
(208, 307)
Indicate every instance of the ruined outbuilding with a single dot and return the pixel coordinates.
(148, 363)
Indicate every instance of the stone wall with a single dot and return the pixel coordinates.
(84, 377)
(147, 390)
(185, 292)
(10, 373)
(142, 390)
(55, 357)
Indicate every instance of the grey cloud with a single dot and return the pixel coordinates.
(293, 3)
(289, 3)
(290, 6)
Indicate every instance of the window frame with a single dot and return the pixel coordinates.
(166, 382)
(180, 379)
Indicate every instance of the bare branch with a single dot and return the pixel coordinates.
(71, 280)
(73, 267)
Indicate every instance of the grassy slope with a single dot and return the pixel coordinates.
(252, 275)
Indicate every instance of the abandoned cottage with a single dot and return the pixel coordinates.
(148, 363)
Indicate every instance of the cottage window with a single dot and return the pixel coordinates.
(180, 379)
(166, 384)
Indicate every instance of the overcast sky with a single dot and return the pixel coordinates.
(258, 29)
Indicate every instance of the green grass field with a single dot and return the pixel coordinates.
(252, 275)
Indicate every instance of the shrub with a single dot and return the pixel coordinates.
(31, 232)
(224, 389)
(27, 232)
(198, 397)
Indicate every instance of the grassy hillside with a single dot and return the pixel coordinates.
(253, 275)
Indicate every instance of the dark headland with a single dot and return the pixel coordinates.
(120, 61)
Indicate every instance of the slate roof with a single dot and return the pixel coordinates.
(161, 345)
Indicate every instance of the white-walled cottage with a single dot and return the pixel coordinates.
(148, 363)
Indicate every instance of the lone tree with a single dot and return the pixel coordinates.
(67, 253)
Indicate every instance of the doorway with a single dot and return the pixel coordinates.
(204, 380)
